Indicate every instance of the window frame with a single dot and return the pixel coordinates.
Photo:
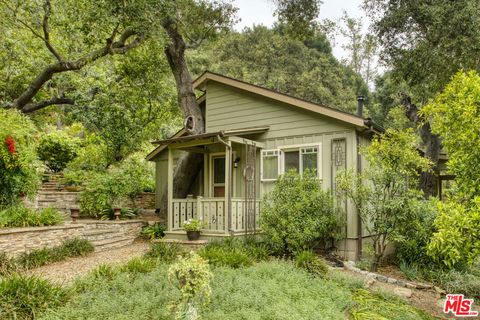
(281, 158)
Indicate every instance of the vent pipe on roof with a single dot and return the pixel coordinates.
(360, 100)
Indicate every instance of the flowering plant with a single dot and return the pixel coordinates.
(193, 225)
(10, 142)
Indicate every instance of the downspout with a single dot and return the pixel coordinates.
(229, 200)
(360, 100)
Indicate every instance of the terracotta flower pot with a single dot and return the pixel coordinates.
(193, 235)
(117, 212)
(74, 214)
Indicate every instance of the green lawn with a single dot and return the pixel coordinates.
(267, 290)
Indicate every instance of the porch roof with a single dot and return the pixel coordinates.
(203, 136)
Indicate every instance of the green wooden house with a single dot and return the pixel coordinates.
(252, 136)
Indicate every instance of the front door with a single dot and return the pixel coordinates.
(218, 163)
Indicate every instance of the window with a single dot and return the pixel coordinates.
(301, 158)
(270, 165)
(309, 157)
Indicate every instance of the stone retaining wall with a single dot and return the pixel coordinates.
(103, 234)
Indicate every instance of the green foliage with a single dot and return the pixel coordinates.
(267, 290)
(421, 41)
(125, 181)
(309, 261)
(20, 216)
(410, 270)
(155, 231)
(465, 281)
(192, 276)
(298, 213)
(386, 189)
(139, 265)
(8, 264)
(298, 17)
(165, 252)
(455, 116)
(57, 149)
(18, 157)
(456, 241)
(232, 257)
(265, 57)
(39, 257)
(26, 297)
(193, 225)
(104, 271)
(414, 232)
(370, 306)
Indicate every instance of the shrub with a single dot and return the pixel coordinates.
(225, 256)
(20, 216)
(104, 271)
(77, 247)
(57, 149)
(410, 270)
(309, 261)
(191, 275)
(298, 213)
(104, 190)
(454, 281)
(26, 297)
(139, 265)
(18, 157)
(456, 243)
(193, 225)
(165, 252)
(156, 231)
(413, 233)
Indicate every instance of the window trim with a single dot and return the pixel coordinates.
(279, 163)
(281, 158)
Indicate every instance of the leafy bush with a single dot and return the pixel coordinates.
(456, 243)
(309, 261)
(192, 276)
(226, 256)
(57, 149)
(410, 270)
(139, 265)
(165, 252)
(193, 225)
(156, 231)
(454, 281)
(104, 190)
(20, 216)
(77, 247)
(414, 232)
(125, 213)
(26, 297)
(298, 213)
(18, 157)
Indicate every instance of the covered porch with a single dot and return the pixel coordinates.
(226, 195)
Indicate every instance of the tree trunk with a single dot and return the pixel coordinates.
(189, 165)
(430, 141)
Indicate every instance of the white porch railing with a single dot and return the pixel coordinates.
(213, 212)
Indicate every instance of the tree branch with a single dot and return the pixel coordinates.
(46, 30)
(117, 47)
(31, 107)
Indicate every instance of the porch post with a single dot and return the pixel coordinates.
(228, 185)
(170, 221)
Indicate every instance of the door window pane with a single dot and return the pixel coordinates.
(292, 160)
(219, 170)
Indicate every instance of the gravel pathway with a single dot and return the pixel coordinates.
(66, 271)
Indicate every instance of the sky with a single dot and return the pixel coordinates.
(261, 12)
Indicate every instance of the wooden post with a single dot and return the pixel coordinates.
(170, 221)
(200, 208)
(228, 185)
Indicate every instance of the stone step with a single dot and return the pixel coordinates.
(104, 245)
(46, 200)
(95, 232)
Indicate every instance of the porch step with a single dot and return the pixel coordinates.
(191, 245)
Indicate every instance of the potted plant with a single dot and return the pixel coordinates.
(193, 228)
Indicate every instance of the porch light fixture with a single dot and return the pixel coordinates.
(235, 162)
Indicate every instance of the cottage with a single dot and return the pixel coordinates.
(252, 136)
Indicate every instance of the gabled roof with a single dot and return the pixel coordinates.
(152, 155)
(201, 81)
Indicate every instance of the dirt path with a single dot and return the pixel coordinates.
(66, 271)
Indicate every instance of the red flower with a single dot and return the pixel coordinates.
(10, 144)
